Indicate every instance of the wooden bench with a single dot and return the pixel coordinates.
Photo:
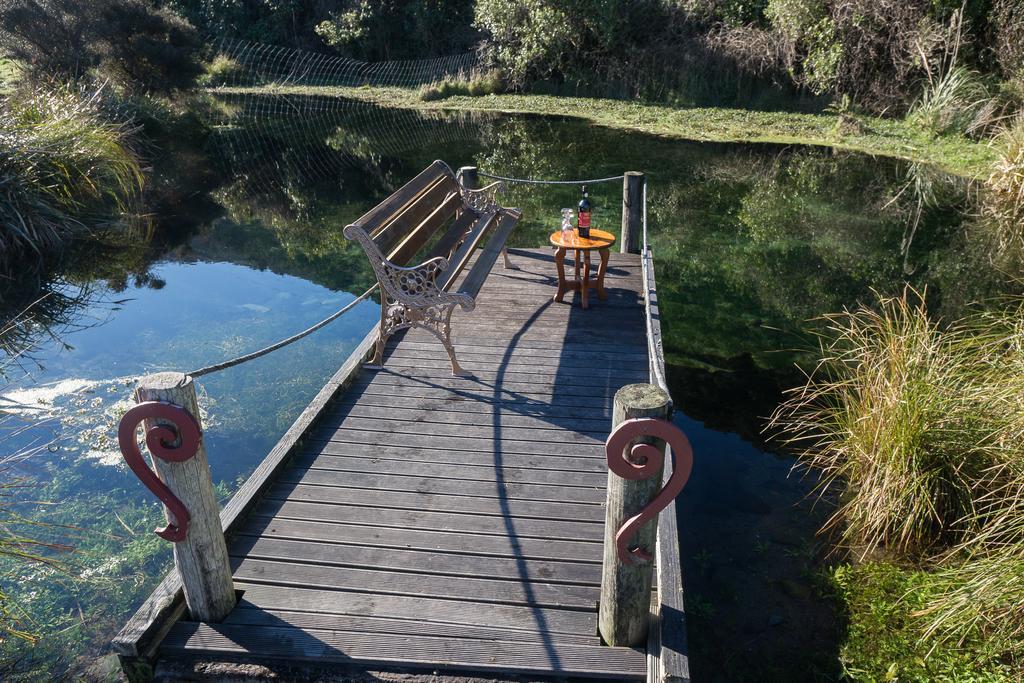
(434, 217)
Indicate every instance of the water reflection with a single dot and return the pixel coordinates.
(751, 242)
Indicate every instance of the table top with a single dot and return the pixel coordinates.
(599, 239)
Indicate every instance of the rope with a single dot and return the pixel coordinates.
(284, 342)
(530, 181)
(659, 376)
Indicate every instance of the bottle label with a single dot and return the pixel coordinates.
(584, 222)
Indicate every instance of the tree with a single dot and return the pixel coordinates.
(131, 41)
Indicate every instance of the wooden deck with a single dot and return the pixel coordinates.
(431, 522)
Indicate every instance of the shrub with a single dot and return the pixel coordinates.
(130, 41)
(65, 167)
(903, 418)
(223, 70)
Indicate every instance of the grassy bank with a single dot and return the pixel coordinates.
(871, 135)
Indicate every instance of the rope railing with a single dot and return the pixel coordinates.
(284, 342)
(655, 346)
(532, 181)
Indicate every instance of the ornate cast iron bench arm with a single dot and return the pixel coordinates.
(410, 297)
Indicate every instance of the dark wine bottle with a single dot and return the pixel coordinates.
(583, 215)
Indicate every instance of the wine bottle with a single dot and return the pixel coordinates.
(583, 215)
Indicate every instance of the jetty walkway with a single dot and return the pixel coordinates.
(418, 520)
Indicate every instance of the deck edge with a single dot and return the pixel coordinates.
(141, 635)
(668, 626)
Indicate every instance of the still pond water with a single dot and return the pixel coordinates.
(751, 242)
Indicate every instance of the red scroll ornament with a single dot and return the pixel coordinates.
(645, 461)
(159, 440)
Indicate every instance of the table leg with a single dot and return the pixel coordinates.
(586, 276)
(600, 274)
(563, 286)
(576, 262)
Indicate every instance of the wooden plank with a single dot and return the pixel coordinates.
(488, 410)
(412, 347)
(458, 260)
(490, 545)
(146, 628)
(369, 407)
(453, 236)
(426, 520)
(589, 464)
(489, 255)
(601, 391)
(414, 651)
(437, 363)
(530, 404)
(400, 482)
(497, 431)
(510, 508)
(468, 612)
(422, 233)
(416, 561)
(460, 472)
(372, 219)
(451, 442)
(530, 593)
(390, 626)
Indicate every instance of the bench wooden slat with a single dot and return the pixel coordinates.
(455, 233)
(461, 257)
(422, 233)
(372, 219)
(485, 261)
(402, 225)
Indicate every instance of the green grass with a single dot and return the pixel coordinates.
(10, 73)
(884, 137)
(884, 640)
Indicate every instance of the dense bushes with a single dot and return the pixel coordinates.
(132, 42)
(875, 52)
(65, 169)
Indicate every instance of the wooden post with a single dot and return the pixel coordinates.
(632, 212)
(469, 177)
(202, 558)
(625, 604)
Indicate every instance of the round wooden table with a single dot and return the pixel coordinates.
(600, 241)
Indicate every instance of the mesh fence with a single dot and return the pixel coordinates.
(254, 64)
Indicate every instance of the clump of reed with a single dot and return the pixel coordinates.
(958, 102)
(918, 426)
(475, 84)
(900, 417)
(66, 167)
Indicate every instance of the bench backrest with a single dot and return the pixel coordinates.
(404, 222)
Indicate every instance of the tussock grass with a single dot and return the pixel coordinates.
(904, 417)
(475, 85)
(919, 426)
(956, 103)
(65, 168)
(223, 70)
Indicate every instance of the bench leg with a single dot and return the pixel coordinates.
(508, 264)
(386, 327)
